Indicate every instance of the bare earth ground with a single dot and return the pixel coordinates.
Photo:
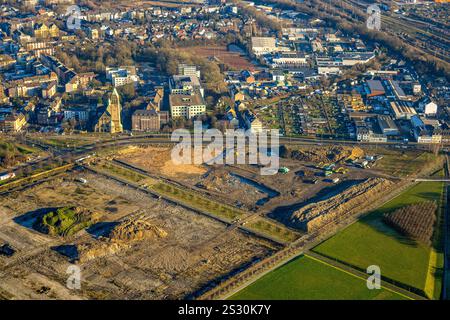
(158, 160)
(196, 251)
(219, 182)
(233, 59)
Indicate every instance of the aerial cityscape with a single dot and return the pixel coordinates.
(224, 150)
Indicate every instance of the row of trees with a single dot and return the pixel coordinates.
(416, 221)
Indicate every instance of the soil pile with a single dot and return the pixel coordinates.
(120, 238)
(136, 230)
(326, 154)
(315, 215)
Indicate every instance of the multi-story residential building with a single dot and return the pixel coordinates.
(79, 81)
(365, 133)
(3, 97)
(29, 86)
(79, 114)
(188, 70)
(187, 105)
(179, 84)
(41, 30)
(122, 75)
(13, 122)
(6, 62)
(64, 73)
(49, 90)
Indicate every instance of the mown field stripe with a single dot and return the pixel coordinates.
(354, 275)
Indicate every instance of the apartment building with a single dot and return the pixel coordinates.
(187, 105)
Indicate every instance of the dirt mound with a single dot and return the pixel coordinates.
(120, 238)
(93, 250)
(415, 221)
(326, 154)
(315, 215)
(220, 181)
(136, 230)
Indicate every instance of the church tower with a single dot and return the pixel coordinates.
(110, 121)
(115, 110)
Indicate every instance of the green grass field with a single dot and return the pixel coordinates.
(371, 242)
(306, 279)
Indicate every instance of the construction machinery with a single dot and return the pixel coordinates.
(283, 170)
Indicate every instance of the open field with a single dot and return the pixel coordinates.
(403, 163)
(307, 279)
(67, 141)
(157, 160)
(195, 251)
(233, 60)
(372, 242)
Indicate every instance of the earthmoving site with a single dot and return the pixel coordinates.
(140, 227)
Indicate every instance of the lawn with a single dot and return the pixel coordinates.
(307, 279)
(371, 242)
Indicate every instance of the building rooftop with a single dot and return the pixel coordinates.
(186, 99)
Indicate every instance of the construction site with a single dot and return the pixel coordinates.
(138, 247)
(141, 227)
